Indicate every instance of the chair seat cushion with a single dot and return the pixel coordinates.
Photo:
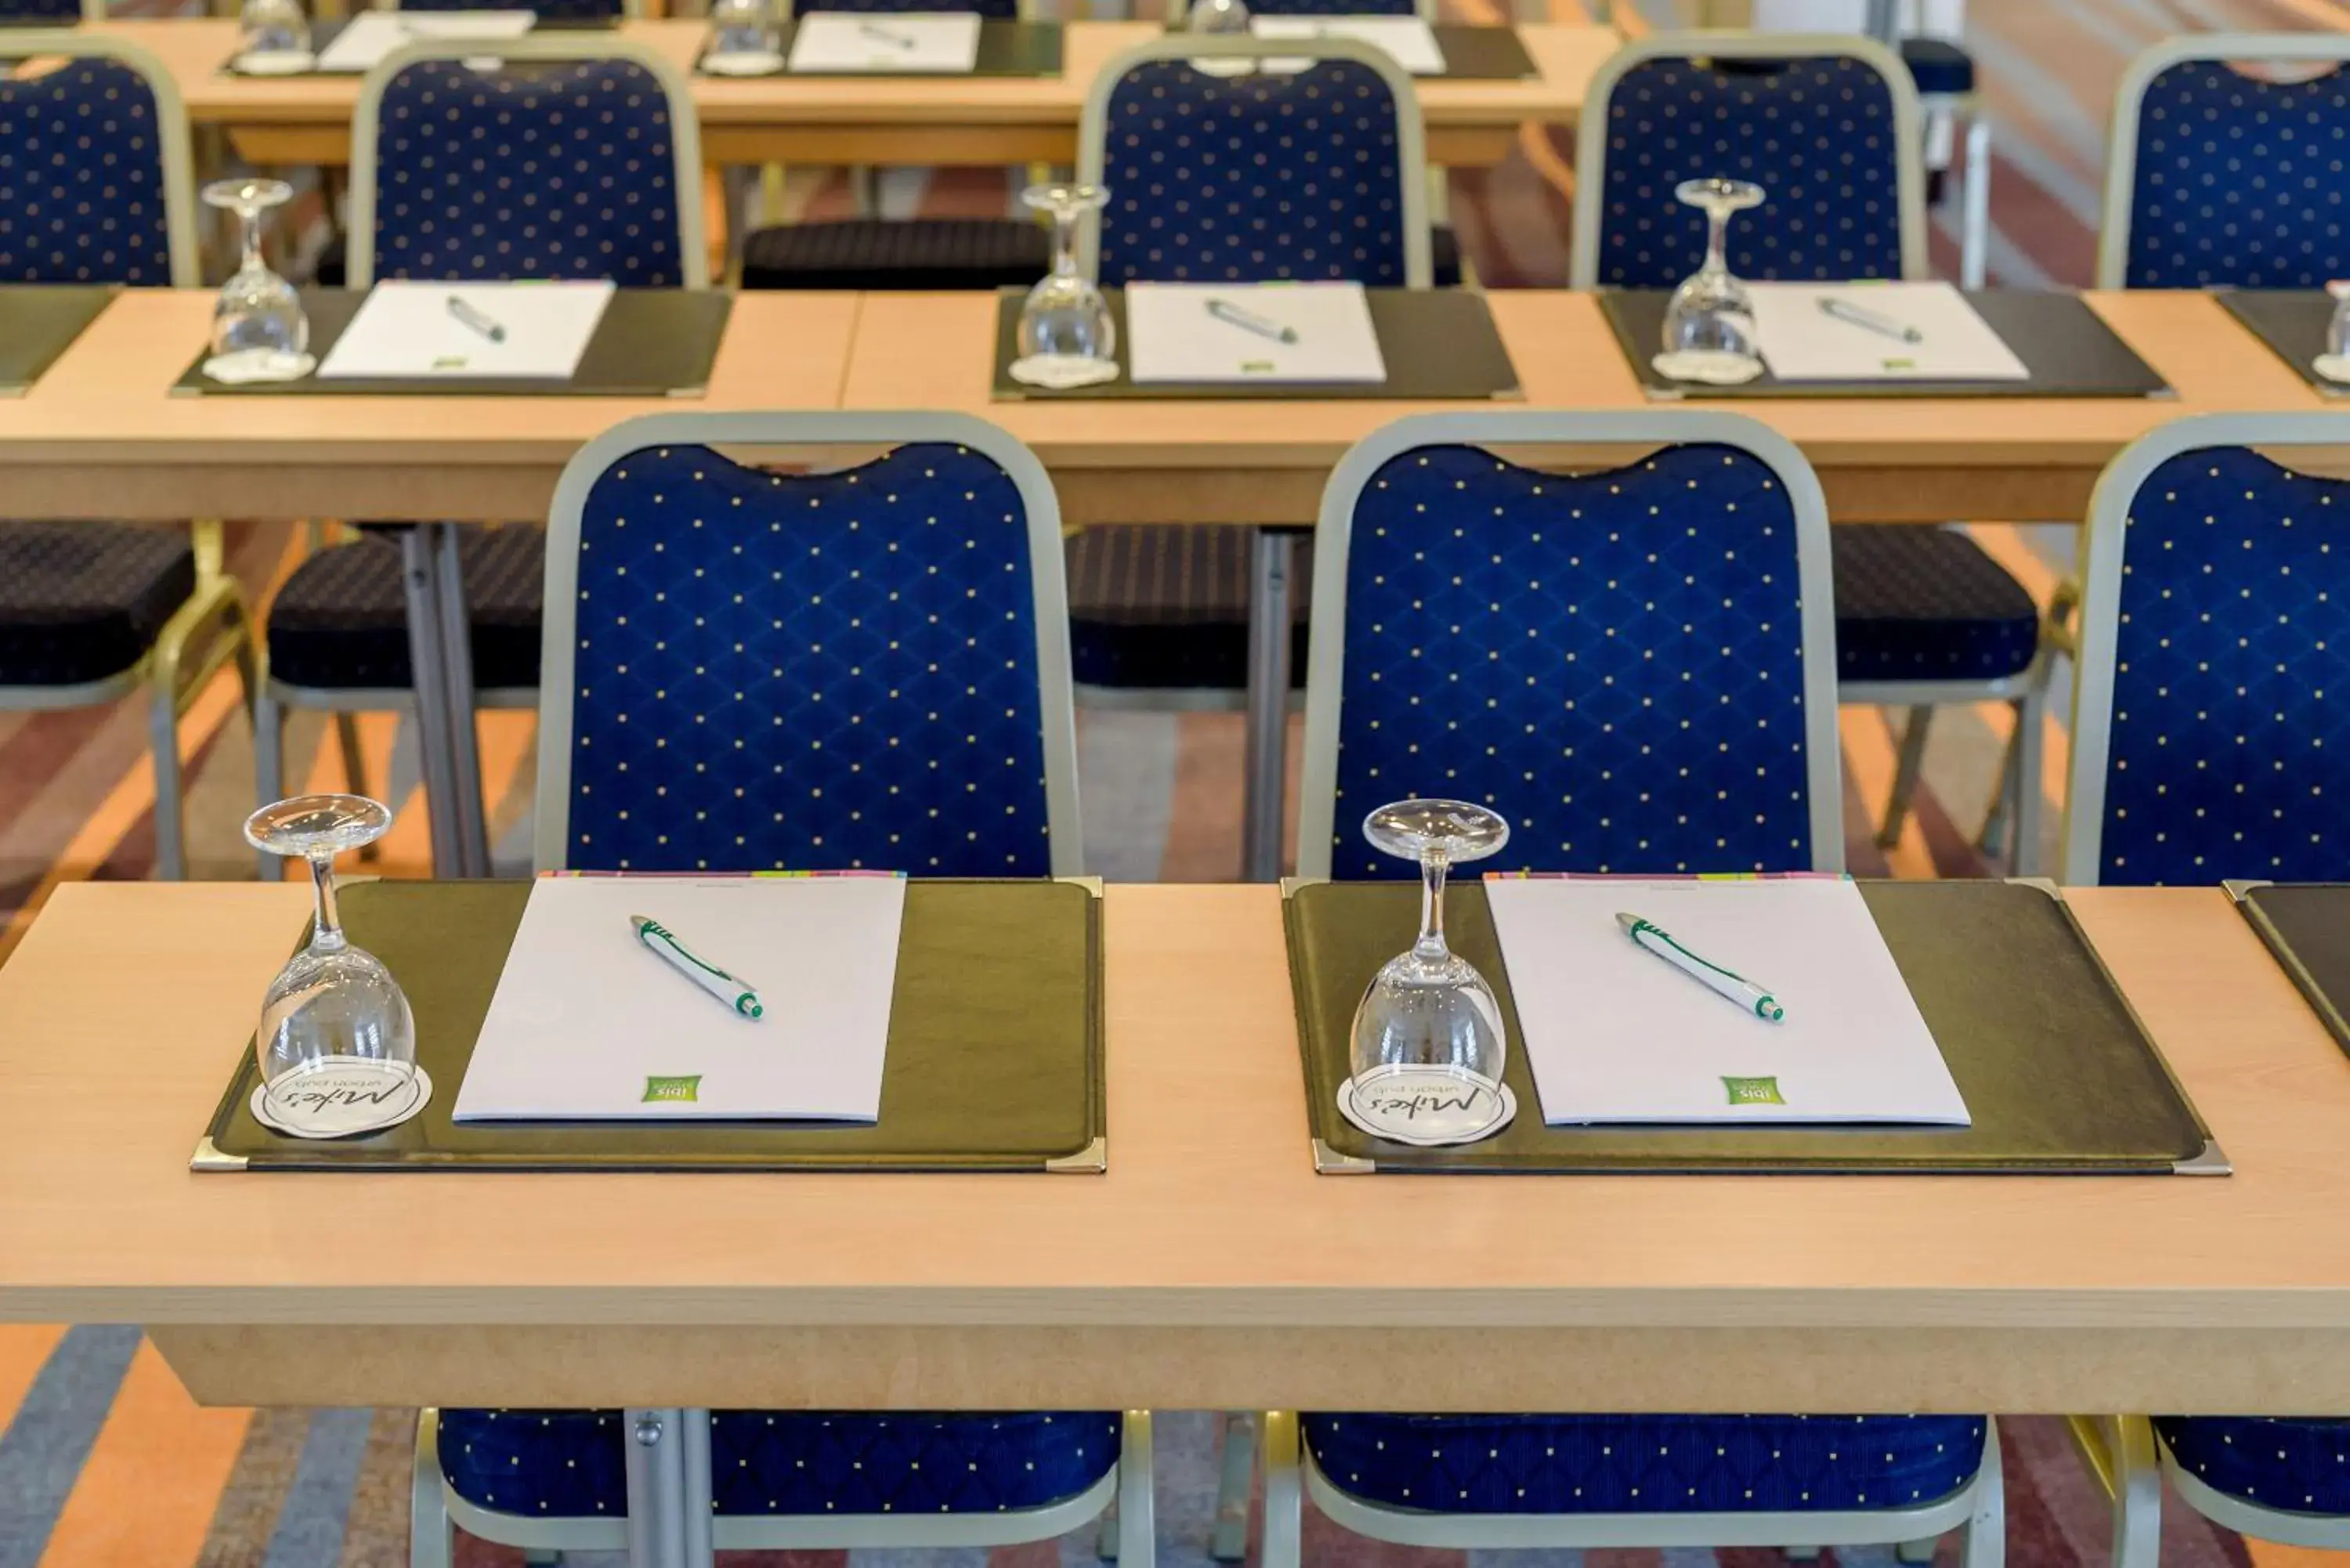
(83, 601)
(1938, 66)
(1165, 609)
(2299, 1465)
(569, 1464)
(1915, 603)
(340, 621)
(1647, 1464)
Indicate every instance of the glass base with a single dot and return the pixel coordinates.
(1059, 372)
(1427, 1107)
(1714, 367)
(743, 63)
(342, 1097)
(275, 63)
(2334, 368)
(249, 365)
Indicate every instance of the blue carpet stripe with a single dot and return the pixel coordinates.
(311, 1526)
(44, 1448)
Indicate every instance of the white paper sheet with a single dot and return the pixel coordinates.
(1615, 1034)
(1802, 342)
(589, 1024)
(1175, 333)
(1409, 41)
(891, 43)
(410, 329)
(372, 35)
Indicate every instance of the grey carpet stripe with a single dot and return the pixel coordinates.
(376, 1536)
(43, 1450)
(309, 1533)
(255, 1493)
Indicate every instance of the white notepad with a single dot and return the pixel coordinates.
(407, 330)
(1408, 41)
(372, 35)
(589, 1024)
(1615, 1034)
(1214, 333)
(1801, 342)
(887, 42)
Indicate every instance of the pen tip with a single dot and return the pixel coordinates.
(1626, 921)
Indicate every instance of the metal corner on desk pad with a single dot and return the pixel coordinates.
(1090, 884)
(1091, 1161)
(1328, 1161)
(2239, 888)
(208, 1157)
(1290, 886)
(2212, 1161)
(2046, 884)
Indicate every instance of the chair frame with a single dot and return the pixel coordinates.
(435, 1507)
(2130, 1462)
(558, 658)
(1978, 1507)
(1646, 428)
(2104, 549)
(2129, 103)
(1411, 138)
(561, 47)
(211, 627)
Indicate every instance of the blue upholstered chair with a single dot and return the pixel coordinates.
(96, 187)
(1635, 666)
(2220, 177)
(1828, 125)
(578, 158)
(2207, 746)
(864, 667)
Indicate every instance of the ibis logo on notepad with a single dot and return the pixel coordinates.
(1746, 1091)
(673, 1089)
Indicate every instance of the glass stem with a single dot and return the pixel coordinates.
(251, 220)
(1717, 239)
(327, 933)
(1431, 945)
(1064, 243)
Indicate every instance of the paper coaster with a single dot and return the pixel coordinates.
(1059, 372)
(1711, 367)
(2334, 368)
(1431, 1107)
(745, 63)
(343, 1101)
(275, 63)
(250, 365)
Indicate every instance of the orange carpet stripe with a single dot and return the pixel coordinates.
(24, 1348)
(146, 1497)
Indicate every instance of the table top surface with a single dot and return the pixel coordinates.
(195, 50)
(122, 1013)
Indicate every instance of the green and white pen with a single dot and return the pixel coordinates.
(1737, 987)
(734, 992)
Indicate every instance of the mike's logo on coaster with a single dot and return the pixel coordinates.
(1428, 1106)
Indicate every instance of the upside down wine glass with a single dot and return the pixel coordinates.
(1428, 1014)
(1710, 334)
(259, 330)
(272, 38)
(1067, 336)
(1217, 16)
(744, 39)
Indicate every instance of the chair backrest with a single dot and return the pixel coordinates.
(65, 13)
(861, 668)
(2215, 660)
(2217, 178)
(95, 185)
(578, 157)
(1635, 666)
(1254, 176)
(1826, 124)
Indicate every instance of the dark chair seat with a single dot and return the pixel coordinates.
(340, 621)
(1165, 609)
(934, 253)
(2299, 1465)
(1938, 66)
(83, 601)
(1917, 603)
(569, 1464)
(1647, 1464)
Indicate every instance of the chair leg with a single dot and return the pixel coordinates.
(1974, 218)
(1138, 1502)
(1985, 1545)
(2031, 748)
(268, 765)
(1236, 1479)
(171, 811)
(1284, 1493)
(1906, 768)
(431, 1538)
(1916, 1552)
(354, 755)
(1105, 1534)
(2137, 1489)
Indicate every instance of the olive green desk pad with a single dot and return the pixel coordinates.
(2292, 322)
(2066, 346)
(651, 343)
(2060, 1077)
(2307, 925)
(1480, 52)
(995, 1058)
(1438, 344)
(40, 321)
(1006, 48)
(325, 29)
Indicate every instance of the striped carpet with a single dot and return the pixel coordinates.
(104, 1462)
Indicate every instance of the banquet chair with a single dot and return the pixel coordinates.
(2214, 631)
(1828, 125)
(98, 190)
(1635, 666)
(461, 174)
(843, 667)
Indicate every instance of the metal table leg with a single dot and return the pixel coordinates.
(441, 657)
(1879, 25)
(1273, 557)
(668, 1457)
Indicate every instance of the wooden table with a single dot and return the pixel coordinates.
(1210, 1268)
(871, 121)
